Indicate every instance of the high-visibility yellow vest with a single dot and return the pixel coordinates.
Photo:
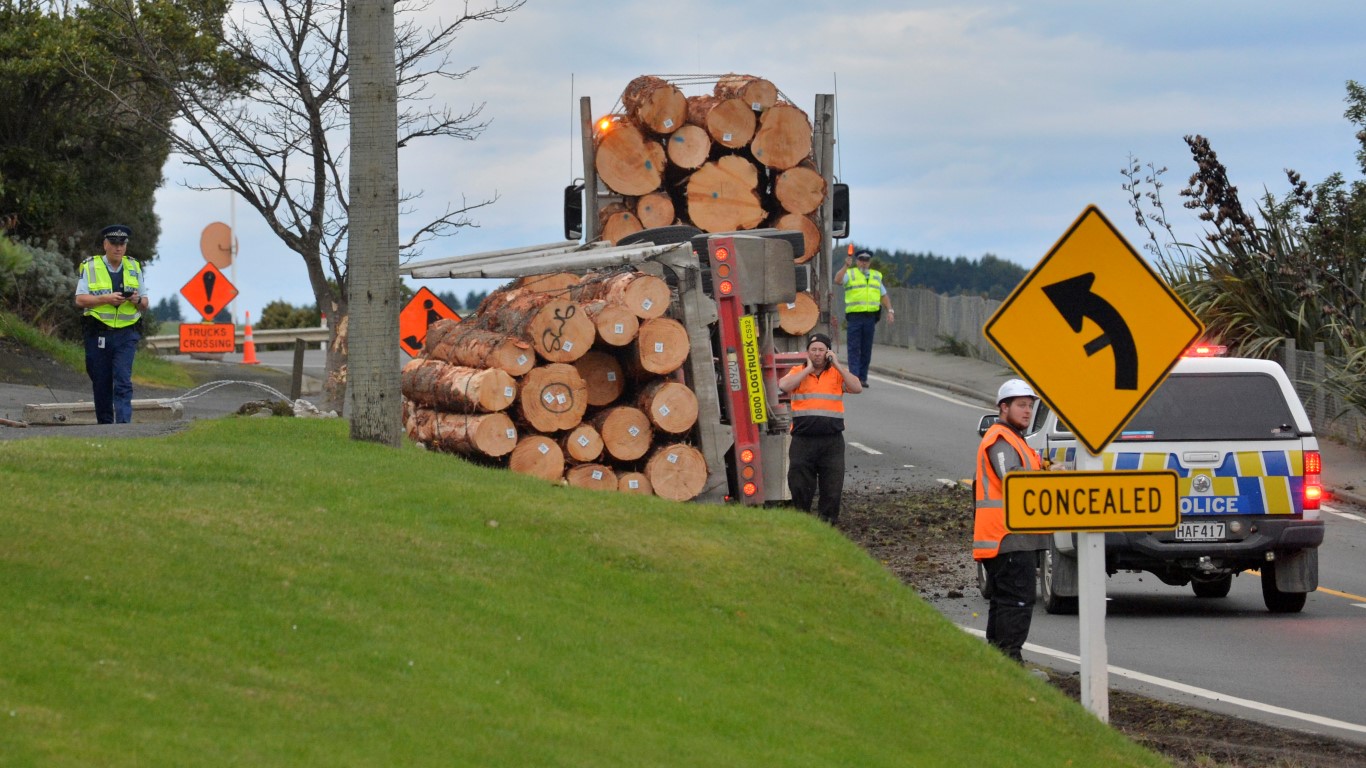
(862, 293)
(98, 280)
(989, 520)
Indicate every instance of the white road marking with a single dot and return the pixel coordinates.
(1190, 690)
(930, 392)
(908, 466)
(1340, 513)
(865, 448)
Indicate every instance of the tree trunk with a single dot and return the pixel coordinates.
(784, 137)
(555, 326)
(811, 234)
(729, 122)
(473, 347)
(376, 411)
(616, 221)
(654, 104)
(627, 162)
(538, 456)
(602, 374)
(553, 397)
(655, 210)
(617, 326)
(582, 444)
(594, 477)
(446, 387)
(482, 434)
(626, 433)
(799, 316)
(757, 92)
(671, 406)
(677, 472)
(634, 482)
(688, 147)
(723, 195)
(644, 294)
(661, 346)
(800, 189)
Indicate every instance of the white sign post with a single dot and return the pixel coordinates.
(1095, 677)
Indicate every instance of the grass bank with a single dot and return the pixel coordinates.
(148, 369)
(267, 592)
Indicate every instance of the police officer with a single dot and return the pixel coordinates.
(816, 457)
(113, 293)
(864, 299)
(1010, 559)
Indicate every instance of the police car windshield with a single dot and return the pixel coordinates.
(1214, 406)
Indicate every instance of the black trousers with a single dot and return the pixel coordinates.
(1012, 576)
(816, 466)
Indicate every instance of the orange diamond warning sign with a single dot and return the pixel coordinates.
(417, 316)
(208, 291)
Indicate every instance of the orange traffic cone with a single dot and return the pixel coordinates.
(249, 346)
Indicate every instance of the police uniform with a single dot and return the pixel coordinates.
(111, 330)
(862, 307)
(1011, 560)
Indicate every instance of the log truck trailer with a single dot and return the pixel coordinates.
(726, 291)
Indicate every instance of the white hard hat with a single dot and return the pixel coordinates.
(1013, 388)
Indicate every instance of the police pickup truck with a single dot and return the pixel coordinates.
(1248, 468)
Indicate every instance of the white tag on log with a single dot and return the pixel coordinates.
(583, 441)
(543, 448)
(726, 137)
(646, 304)
(633, 483)
(511, 433)
(521, 359)
(509, 391)
(634, 430)
(659, 346)
(547, 397)
(673, 458)
(792, 305)
(757, 107)
(611, 375)
(561, 399)
(568, 346)
(619, 328)
(663, 410)
(597, 474)
(668, 122)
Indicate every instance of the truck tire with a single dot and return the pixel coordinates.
(1054, 603)
(1276, 600)
(678, 233)
(1216, 588)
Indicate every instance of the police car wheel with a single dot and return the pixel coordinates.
(1276, 600)
(1053, 603)
(983, 585)
(1216, 588)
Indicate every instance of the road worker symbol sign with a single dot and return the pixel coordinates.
(1125, 500)
(417, 316)
(208, 291)
(1094, 329)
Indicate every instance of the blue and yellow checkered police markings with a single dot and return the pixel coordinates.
(1265, 482)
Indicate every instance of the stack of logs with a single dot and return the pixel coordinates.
(737, 158)
(566, 378)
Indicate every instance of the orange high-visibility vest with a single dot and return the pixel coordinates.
(989, 520)
(819, 394)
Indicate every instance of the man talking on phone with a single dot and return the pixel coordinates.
(816, 458)
(113, 294)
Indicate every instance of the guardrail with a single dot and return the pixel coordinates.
(171, 343)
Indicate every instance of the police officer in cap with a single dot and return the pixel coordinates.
(816, 457)
(113, 292)
(865, 299)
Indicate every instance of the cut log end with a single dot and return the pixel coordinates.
(553, 398)
(634, 482)
(595, 477)
(677, 472)
(538, 456)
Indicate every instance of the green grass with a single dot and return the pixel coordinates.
(148, 369)
(266, 592)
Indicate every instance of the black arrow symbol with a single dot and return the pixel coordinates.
(1075, 301)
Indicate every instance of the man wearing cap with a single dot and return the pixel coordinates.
(1010, 559)
(816, 458)
(864, 299)
(113, 293)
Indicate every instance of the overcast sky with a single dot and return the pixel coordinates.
(965, 128)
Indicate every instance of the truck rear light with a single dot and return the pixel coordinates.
(747, 455)
(726, 287)
(750, 489)
(747, 472)
(1313, 484)
(722, 253)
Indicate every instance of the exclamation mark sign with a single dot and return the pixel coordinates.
(209, 279)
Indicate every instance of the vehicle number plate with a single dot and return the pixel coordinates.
(1200, 531)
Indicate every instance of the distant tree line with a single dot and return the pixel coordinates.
(989, 276)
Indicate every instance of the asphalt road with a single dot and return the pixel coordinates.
(1302, 671)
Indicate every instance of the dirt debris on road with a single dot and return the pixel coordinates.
(923, 536)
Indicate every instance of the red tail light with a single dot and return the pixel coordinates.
(1313, 484)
